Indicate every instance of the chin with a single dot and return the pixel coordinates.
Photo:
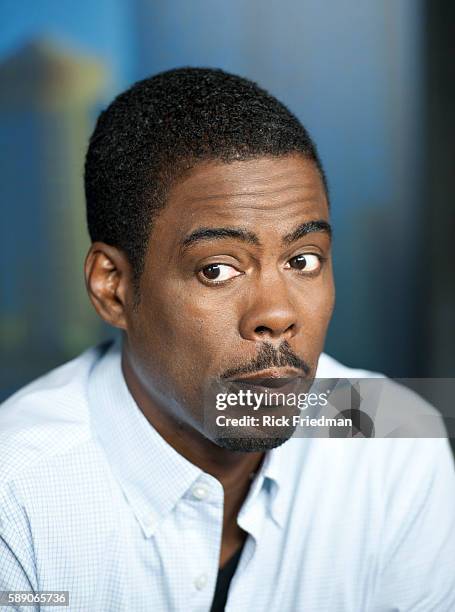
(253, 444)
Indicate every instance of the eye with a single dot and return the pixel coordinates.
(217, 273)
(305, 262)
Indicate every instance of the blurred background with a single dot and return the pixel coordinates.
(372, 82)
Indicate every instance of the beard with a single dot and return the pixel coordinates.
(250, 445)
(253, 438)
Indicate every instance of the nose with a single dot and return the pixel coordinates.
(270, 315)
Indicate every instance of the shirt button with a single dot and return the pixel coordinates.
(199, 492)
(200, 582)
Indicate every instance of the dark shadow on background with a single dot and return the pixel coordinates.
(437, 304)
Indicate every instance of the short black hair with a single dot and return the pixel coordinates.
(159, 128)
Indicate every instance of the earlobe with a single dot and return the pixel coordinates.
(106, 278)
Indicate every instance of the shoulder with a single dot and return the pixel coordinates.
(47, 418)
(393, 406)
(410, 442)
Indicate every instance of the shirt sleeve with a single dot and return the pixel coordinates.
(418, 562)
(17, 568)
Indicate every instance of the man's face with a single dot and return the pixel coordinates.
(237, 282)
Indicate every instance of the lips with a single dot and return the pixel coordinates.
(272, 373)
(267, 385)
(267, 382)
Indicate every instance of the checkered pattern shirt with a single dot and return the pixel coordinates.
(93, 501)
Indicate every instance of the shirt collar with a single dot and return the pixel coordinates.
(153, 475)
(274, 473)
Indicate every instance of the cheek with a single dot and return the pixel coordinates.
(208, 325)
(185, 326)
(326, 301)
(316, 311)
(324, 296)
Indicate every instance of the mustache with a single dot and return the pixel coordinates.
(270, 357)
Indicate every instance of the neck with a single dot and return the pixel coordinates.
(233, 469)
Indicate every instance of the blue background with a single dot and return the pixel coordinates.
(353, 72)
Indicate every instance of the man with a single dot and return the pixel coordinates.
(208, 212)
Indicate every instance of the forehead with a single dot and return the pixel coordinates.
(264, 194)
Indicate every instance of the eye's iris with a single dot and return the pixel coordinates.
(298, 262)
(212, 271)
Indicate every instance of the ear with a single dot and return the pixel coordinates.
(108, 281)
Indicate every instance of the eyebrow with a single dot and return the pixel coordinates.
(243, 235)
(307, 228)
(218, 233)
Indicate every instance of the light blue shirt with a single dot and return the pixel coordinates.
(93, 501)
